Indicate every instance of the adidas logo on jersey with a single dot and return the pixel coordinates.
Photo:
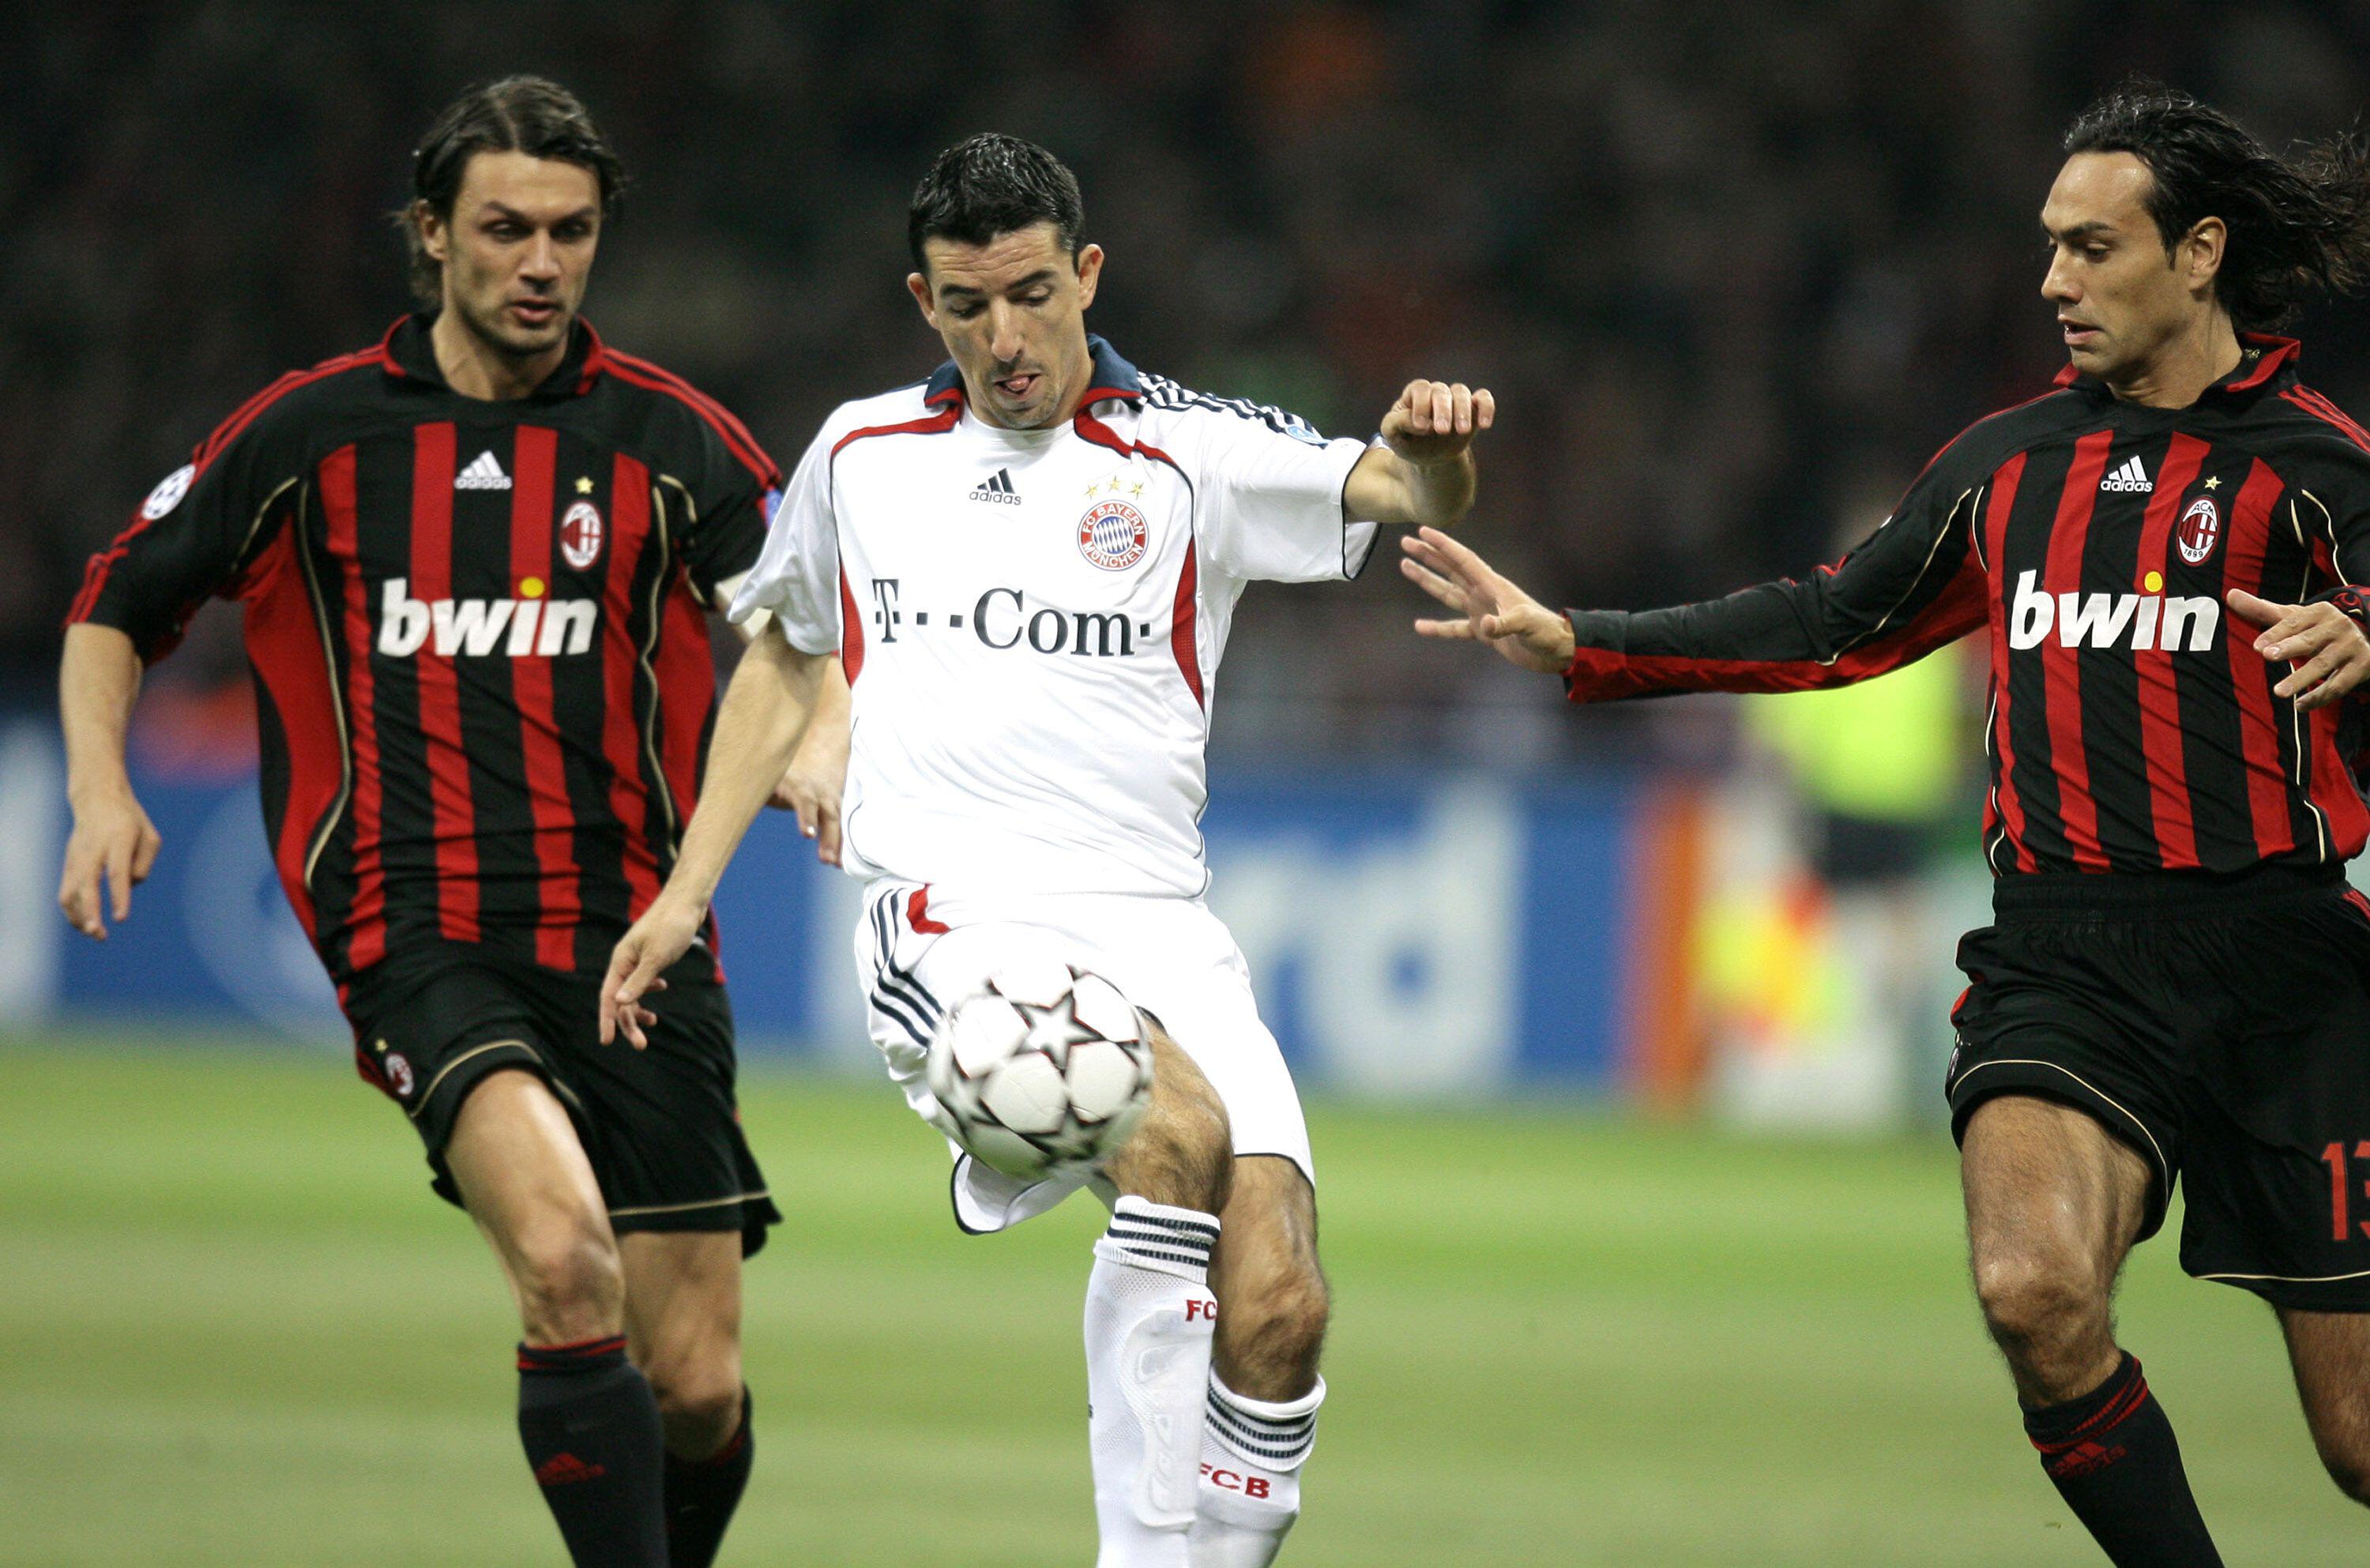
(513, 627)
(997, 488)
(483, 473)
(2130, 477)
(2110, 620)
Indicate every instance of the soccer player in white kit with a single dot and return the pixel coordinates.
(1028, 564)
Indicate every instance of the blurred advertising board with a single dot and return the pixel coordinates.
(1417, 934)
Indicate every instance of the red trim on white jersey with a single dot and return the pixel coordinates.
(1184, 638)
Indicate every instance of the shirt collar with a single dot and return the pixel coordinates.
(2262, 359)
(1108, 377)
(410, 356)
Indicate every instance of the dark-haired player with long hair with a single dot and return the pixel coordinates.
(2177, 981)
(475, 563)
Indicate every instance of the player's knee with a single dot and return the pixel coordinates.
(2034, 1304)
(699, 1402)
(1183, 1153)
(570, 1282)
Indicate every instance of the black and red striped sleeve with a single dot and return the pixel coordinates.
(1913, 585)
(197, 529)
(732, 482)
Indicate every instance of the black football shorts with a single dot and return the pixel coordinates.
(661, 1127)
(2220, 1028)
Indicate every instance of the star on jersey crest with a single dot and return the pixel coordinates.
(2213, 483)
(584, 484)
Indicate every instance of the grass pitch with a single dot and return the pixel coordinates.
(235, 1329)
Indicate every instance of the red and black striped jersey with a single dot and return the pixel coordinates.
(477, 633)
(2132, 725)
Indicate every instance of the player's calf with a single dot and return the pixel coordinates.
(1260, 1425)
(585, 1415)
(1150, 1317)
(2049, 1315)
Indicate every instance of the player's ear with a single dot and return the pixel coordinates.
(919, 287)
(1091, 269)
(2203, 249)
(435, 235)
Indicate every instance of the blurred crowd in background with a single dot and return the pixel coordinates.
(1734, 271)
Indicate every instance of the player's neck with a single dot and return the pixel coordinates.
(2189, 364)
(475, 368)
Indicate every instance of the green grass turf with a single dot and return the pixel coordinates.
(234, 1328)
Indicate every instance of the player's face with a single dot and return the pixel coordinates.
(518, 250)
(2121, 295)
(1013, 313)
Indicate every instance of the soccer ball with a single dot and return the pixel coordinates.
(1046, 1069)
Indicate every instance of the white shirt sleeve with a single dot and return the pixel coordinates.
(1270, 501)
(797, 576)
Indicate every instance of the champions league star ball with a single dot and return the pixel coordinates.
(1046, 1069)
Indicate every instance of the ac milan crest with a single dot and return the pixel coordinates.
(2201, 528)
(399, 1074)
(580, 534)
(1112, 536)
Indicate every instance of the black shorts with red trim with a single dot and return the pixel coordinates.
(2220, 1027)
(660, 1126)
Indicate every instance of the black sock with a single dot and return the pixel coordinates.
(702, 1493)
(591, 1433)
(2113, 1458)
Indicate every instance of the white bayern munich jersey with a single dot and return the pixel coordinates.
(1031, 621)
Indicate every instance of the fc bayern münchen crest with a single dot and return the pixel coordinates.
(1112, 536)
(2201, 527)
(580, 534)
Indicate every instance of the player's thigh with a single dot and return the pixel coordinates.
(2331, 1354)
(525, 1178)
(683, 1309)
(2054, 1201)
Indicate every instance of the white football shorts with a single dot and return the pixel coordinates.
(920, 950)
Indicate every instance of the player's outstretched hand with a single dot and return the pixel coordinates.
(811, 788)
(664, 934)
(1434, 421)
(114, 840)
(1488, 609)
(2326, 647)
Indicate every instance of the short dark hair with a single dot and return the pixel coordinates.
(992, 184)
(2296, 225)
(517, 114)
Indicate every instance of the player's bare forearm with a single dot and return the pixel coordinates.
(1423, 472)
(98, 680)
(818, 772)
(758, 729)
(775, 691)
(113, 841)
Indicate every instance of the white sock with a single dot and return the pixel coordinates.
(1251, 1455)
(1149, 1319)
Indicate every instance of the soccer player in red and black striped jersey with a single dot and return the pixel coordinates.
(476, 562)
(2163, 554)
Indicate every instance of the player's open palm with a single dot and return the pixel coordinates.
(2324, 647)
(1489, 608)
(114, 841)
(637, 964)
